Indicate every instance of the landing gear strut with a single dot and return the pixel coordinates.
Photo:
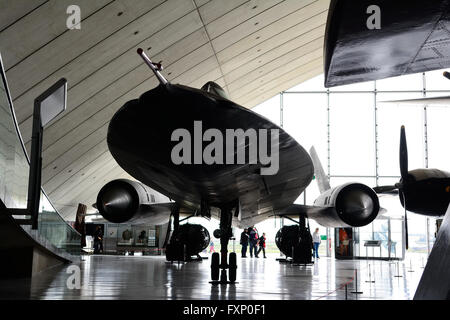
(174, 252)
(186, 241)
(220, 267)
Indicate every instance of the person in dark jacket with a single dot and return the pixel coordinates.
(262, 244)
(244, 243)
(98, 240)
(253, 239)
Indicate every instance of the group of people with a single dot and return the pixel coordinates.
(249, 237)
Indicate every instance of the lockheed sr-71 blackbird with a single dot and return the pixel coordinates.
(241, 169)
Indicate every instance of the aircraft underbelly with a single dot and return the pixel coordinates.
(139, 138)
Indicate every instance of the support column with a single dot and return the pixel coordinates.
(328, 135)
(281, 110)
(376, 133)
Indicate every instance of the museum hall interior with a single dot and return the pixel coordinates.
(213, 151)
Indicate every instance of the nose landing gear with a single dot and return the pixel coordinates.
(220, 267)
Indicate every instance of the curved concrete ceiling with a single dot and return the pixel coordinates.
(254, 49)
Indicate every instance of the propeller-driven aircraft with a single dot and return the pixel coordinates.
(422, 191)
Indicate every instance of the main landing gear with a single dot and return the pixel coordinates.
(220, 263)
(295, 242)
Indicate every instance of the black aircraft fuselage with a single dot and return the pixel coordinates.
(140, 140)
(427, 192)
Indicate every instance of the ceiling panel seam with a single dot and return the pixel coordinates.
(101, 127)
(211, 45)
(103, 88)
(26, 14)
(81, 169)
(276, 90)
(112, 82)
(74, 160)
(312, 62)
(311, 65)
(125, 73)
(242, 22)
(106, 123)
(63, 192)
(95, 185)
(278, 57)
(274, 36)
(266, 27)
(59, 35)
(91, 47)
(272, 70)
(113, 34)
(109, 104)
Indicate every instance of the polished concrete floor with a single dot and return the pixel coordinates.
(151, 277)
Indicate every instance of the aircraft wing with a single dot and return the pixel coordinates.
(155, 213)
(413, 37)
(311, 212)
(325, 216)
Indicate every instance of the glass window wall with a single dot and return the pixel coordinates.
(14, 168)
(357, 137)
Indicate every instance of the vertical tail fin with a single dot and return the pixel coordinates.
(321, 177)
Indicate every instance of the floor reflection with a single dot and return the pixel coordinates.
(119, 277)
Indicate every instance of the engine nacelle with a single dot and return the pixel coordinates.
(294, 242)
(351, 205)
(188, 241)
(124, 200)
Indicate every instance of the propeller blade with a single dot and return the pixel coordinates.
(406, 222)
(406, 231)
(432, 101)
(403, 154)
(386, 189)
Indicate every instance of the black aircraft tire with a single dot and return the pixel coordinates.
(233, 267)
(215, 266)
